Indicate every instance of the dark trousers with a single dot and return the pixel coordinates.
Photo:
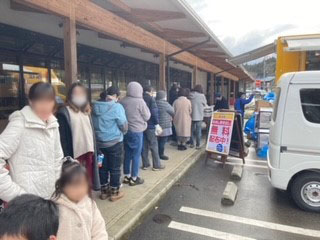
(111, 167)
(174, 134)
(161, 145)
(150, 142)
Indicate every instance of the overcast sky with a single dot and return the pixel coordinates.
(243, 25)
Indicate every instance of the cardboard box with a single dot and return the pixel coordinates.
(262, 104)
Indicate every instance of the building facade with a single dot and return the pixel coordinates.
(107, 42)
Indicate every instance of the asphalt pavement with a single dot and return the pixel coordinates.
(192, 209)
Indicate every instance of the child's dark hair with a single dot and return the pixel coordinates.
(71, 170)
(30, 217)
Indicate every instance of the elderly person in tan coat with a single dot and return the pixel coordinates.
(182, 119)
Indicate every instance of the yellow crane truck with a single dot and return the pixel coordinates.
(294, 54)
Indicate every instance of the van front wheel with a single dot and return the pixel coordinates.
(305, 191)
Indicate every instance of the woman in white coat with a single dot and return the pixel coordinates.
(30, 149)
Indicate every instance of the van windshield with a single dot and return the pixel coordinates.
(276, 103)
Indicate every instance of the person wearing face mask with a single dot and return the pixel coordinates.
(30, 145)
(241, 102)
(110, 124)
(77, 133)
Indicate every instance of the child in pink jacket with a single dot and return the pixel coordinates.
(79, 216)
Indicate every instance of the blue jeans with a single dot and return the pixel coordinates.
(132, 152)
(196, 133)
(161, 145)
(111, 166)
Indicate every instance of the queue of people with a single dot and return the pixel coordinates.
(54, 153)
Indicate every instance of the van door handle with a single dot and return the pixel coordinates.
(283, 149)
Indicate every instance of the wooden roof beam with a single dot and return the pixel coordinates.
(104, 36)
(186, 44)
(119, 5)
(98, 19)
(207, 53)
(151, 15)
(169, 33)
(20, 7)
(123, 10)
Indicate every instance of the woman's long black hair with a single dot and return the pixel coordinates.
(71, 170)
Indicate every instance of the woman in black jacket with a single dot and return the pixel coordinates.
(76, 131)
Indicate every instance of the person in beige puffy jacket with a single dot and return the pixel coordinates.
(30, 145)
(79, 216)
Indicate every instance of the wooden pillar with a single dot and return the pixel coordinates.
(162, 72)
(222, 86)
(228, 90)
(70, 49)
(212, 88)
(234, 92)
(194, 75)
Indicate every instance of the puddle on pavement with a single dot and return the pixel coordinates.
(161, 218)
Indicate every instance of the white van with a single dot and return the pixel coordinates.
(294, 144)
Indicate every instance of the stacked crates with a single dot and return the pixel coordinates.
(262, 128)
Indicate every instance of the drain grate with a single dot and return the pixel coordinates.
(161, 218)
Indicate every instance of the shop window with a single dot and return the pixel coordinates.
(58, 79)
(33, 75)
(9, 92)
(97, 82)
(310, 101)
(83, 75)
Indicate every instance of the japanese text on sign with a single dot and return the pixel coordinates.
(219, 137)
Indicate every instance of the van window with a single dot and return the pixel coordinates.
(276, 103)
(310, 101)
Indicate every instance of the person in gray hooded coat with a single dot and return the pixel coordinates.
(138, 114)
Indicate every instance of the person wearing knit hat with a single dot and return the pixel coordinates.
(166, 113)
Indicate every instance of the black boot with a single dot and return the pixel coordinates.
(105, 192)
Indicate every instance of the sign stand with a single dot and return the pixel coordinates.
(225, 137)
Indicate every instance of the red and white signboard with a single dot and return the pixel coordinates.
(220, 133)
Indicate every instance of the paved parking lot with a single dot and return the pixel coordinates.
(193, 210)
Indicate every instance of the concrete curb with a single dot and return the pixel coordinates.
(120, 228)
(229, 194)
(236, 173)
